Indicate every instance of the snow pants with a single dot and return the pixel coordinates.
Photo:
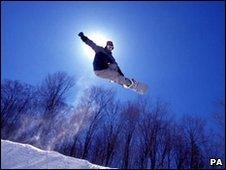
(111, 73)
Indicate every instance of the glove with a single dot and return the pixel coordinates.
(81, 34)
(83, 37)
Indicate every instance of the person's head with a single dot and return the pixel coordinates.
(110, 45)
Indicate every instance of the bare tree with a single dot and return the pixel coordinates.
(113, 129)
(180, 148)
(191, 140)
(17, 99)
(53, 92)
(52, 95)
(219, 131)
(153, 126)
(107, 143)
(130, 117)
(94, 103)
(165, 144)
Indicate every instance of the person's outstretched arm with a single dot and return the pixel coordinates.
(88, 42)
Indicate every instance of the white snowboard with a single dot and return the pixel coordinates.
(138, 87)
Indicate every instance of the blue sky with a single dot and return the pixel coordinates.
(177, 48)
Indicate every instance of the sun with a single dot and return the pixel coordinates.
(99, 39)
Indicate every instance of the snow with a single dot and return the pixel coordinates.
(24, 156)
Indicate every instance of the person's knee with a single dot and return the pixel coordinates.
(108, 74)
(100, 74)
(97, 73)
(113, 67)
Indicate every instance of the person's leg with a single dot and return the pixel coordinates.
(114, 76)
(127, 82)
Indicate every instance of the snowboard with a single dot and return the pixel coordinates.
(138, 86)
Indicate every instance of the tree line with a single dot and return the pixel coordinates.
(141, 133)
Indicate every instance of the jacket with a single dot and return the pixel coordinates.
(103, 57)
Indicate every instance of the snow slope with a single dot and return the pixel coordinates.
(23, 156)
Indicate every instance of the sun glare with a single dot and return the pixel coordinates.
(98, 38)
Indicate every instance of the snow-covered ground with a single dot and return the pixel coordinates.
(23, 156)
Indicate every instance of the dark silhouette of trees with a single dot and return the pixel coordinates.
(17, 99)
(189, 146)
(130, 117)
(155, 141)
(52, 95)
(218, 134)
(94, 105)
(139, 134)
(113, 128)
(107, 140)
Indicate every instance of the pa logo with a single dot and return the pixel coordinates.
(216, 162)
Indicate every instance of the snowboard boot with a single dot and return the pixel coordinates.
(130, 83)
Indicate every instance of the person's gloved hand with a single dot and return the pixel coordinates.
(81, 34)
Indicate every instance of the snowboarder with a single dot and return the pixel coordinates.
(104, 64)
